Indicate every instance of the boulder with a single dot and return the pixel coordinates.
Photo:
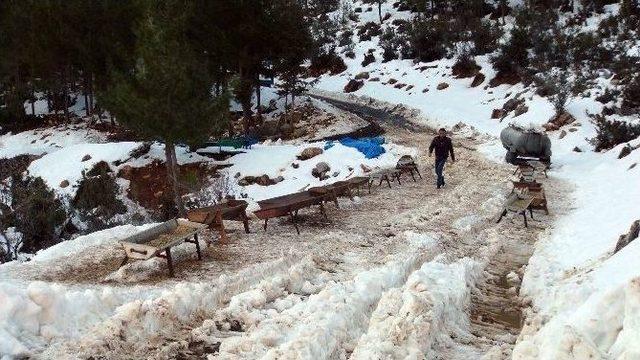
(86, 158)
(521, 109)
(561, 120)
(562, 134)
(263, 180)
(362, 75)
(295, 165)
(353, 85)
(498, 114)
(478, 80)
(512, 104)
(442, 86)
(365, 168)
(64, 183)
(309, 153)
(320, 170)
(577, 149)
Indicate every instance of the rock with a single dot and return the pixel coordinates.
(309, 153)
(550, 126)
(263, 180)
(442, 86)
(392, 81)
(158, 194)
(247, 180)
(336, 173)
(512, 104)
(365, 168)
(478, 80)
(368, 59)
(409, 87)
(626, 150)
(577, 149)
(521, 109)
(237, 175)
(353, 85)
(498, 114)
(86, 157)
(399, 85)
(573, 130)
(295, 165)
(374, 79)
(425, 90)
(362, 75)
(299, 132)
(278, 179)
(562, 119)
(562, 134)
(320, 170)
(64, 183)
(625, 239)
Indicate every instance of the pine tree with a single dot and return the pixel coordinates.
(167, 96)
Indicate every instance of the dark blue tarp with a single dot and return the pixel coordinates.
(371, 147)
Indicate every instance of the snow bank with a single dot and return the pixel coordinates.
(33, 316)
(428, 308)
(46, 140)
(276, 160)
(327, 322)
(585, 296)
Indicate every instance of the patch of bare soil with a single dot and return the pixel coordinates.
(149, 186)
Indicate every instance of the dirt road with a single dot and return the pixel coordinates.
(282, 295)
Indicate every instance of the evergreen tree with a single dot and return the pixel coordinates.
(167, 95)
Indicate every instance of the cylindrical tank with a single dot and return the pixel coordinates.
(525, 143)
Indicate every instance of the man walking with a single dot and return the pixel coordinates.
(443, 147)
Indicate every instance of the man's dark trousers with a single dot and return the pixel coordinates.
(439, 168)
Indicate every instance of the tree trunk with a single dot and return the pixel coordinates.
(87, 109)
(65, 94)
(380, 11)
(172, 175)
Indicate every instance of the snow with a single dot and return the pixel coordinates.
(41, 141)
(425, 310)
(276, 160)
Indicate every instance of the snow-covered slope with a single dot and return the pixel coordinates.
(585, 299)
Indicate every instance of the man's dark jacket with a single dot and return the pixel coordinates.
(442, 146)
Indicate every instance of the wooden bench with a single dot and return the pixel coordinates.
(213, 216)
(157, 241)
(535, 189)
(518, 203)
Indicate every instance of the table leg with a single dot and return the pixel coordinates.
(293, 220)
(195, 239)
(169, 261)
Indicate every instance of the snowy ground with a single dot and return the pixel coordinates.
(331, 292)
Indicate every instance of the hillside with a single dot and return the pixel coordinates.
(404, 270)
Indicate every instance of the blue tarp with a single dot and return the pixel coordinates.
(371, 147)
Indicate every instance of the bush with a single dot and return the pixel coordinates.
(485, 37)
(613, 132)
(327, 62)
(513, 54)
(430, 38)
(96, 200)
(38, 214)
(369, 30)
(631, 95)
(389, 43)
